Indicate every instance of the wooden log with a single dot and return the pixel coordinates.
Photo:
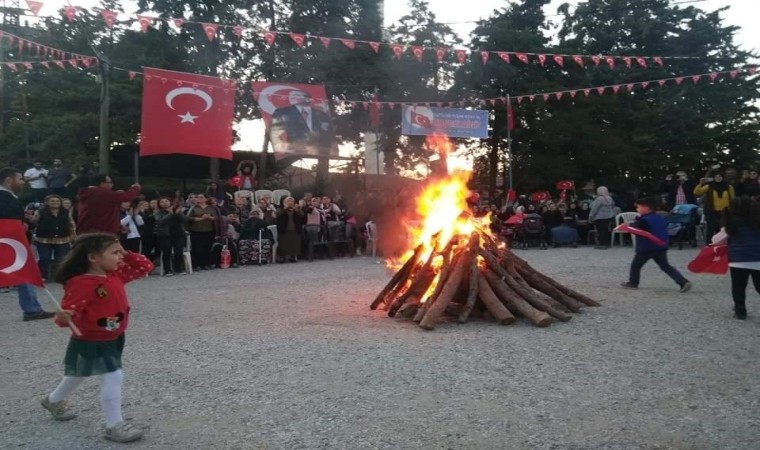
(409, 309)
(532, 278)
(443, 276)
(493, 304)
(434, 311)
(506, 294)
(472, 292)
(562, 288)
(513, 279)
(423, 278)
(398, 277)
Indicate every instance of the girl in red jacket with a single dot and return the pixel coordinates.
(93, 275)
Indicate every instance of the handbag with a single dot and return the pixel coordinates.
(711, 259)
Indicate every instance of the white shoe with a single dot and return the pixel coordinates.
(123, 432)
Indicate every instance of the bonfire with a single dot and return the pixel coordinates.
(456, 267)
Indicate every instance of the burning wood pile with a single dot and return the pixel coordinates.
(456, 268)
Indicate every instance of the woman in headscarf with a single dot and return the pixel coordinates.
(716, 196)
(290, 220)
(602, 212)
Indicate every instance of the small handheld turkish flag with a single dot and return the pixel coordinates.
(17, 264)
(192, 115)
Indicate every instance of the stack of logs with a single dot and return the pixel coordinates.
(484, 278)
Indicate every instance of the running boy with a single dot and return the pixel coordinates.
(647, 249)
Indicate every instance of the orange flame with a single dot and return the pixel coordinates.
(443, 213)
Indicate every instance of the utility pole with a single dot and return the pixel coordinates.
(104, 140)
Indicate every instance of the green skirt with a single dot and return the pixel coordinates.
(88, 358)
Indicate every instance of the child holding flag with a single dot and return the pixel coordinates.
(654, 246)
(93, 274)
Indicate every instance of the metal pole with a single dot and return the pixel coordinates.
(509, 140)
(105, 101)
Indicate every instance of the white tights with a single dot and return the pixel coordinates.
(110, 394)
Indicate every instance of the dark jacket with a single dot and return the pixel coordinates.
(655, 224)
(169, 224)
(249, 230)
(750, 189)
(50, 226)
(671, 188)
(744, 245)
(10, 206)
(282, 221)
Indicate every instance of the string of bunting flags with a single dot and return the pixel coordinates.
(545, 96)
(76, 63)
(33, 48)
(418, 51)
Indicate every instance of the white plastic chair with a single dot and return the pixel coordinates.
(262, 193)
(273, 230)
(244, 194)
(623, 218)
(372, 237)
(278, 195)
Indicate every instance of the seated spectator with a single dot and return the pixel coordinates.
(213, 191)
(255, 243)
(290, 222)
(552, 218)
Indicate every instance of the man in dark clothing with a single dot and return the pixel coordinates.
(58, 178)
(679, 189)
(99, 205)
(647, 249)
(11, 183)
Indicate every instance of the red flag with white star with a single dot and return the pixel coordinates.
(191, 115)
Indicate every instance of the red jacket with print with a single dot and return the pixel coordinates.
(99, 303)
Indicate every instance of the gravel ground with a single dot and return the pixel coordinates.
(291, 357)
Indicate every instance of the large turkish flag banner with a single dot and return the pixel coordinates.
(17, 264)
(186, 113)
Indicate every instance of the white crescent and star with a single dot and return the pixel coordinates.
(187, 117)
(20, 252)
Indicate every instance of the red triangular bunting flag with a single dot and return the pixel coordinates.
(299, 39)
(237, 30)
(132, 75)
(559, 59)
(325, 41)
(34, 7)
(20, 47)
(73, 63)
(600, 90)
(734, 73)
(679, 80)
(37, 46)
(752, 70)
(178, 22)
(519, 100)
(546, 97)
(645, 84)
(440, 53)
(532, 98)
(375, 46)
(642, 62)
(616, 88)
(573, 93)
(597, 59)
(542, 60)
(45, 64)
(522, 57)
(461, 56)
(630, 87)
(713, 76)
(695, 79)
(70, 12)
(662, 82)
(504, 56)
(558, 95)
(398, 50)
(659, 61)
(60, 64)
(350, 43)
(11, 66)
(578, 60)
(28, 65)
(610, 61)
(145, 22)
(628, 61)
(87, 62)
(109, 17)
(484, 57)
(210, 30)
(269, 37)
(587, 92)
(418, 52)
